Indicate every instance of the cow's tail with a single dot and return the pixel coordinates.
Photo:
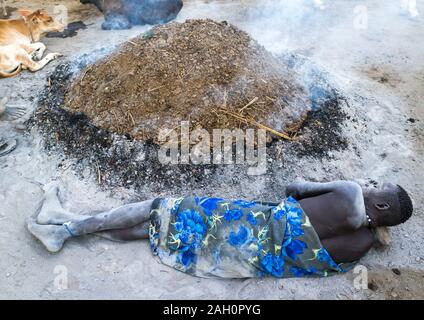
(11, 74)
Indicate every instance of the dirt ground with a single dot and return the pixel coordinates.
(380, 69)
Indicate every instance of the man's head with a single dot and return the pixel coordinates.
(41, 22)
(387, 204)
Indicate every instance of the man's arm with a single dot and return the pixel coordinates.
(306, 189)
(346, 195)
(349, 247)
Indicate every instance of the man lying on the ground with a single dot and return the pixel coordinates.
(319, 229)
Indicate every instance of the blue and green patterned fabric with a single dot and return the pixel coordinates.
(213, 237)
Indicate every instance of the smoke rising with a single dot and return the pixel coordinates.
(311, 27)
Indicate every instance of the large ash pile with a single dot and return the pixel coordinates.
(211, 74)
(105, 111)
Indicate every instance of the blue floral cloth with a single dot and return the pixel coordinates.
(214, 237)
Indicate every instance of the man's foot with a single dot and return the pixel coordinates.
(52, 211)
(51, 236)
(7, 147)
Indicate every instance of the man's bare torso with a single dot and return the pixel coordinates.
(337, 212)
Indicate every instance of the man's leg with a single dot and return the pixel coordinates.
(53, 237)
(120, 218)
(25, 59)
(127, 216)
(140, 231)
(52, 211)
(128, 222)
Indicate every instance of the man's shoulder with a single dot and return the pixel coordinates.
(350, 192)
(349, 189)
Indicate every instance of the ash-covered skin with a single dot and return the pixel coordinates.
(121, 161)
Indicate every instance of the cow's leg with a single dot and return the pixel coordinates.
(9, 66)
(27, 63)
(38, 50)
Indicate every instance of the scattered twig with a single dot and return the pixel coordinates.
(295, 127)
(99, 175)
(86, 71)
(282, 135)
(154, 89)
(132, 118)
(249, 104)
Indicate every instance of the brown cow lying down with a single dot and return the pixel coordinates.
(122, 14)
(19, 46)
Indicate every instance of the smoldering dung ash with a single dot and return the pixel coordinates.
(202, 71)
(211, 74)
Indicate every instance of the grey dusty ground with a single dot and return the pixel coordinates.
(381, 71)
